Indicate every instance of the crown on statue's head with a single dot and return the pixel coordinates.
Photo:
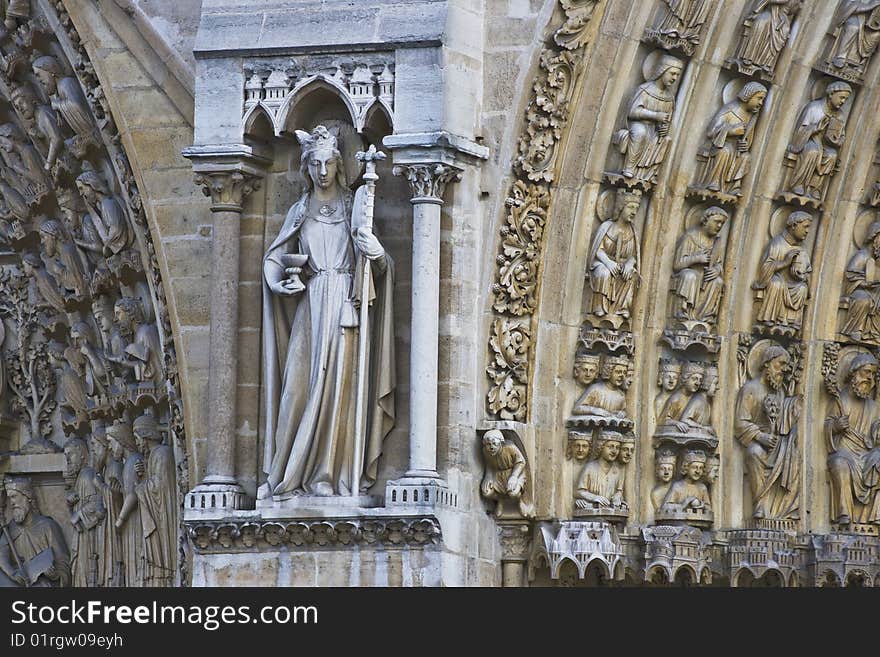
(320, 137)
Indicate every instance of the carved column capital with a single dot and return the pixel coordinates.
(516, 540)
(227, 189)
(428, 181)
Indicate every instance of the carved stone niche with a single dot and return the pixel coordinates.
(644, 139)
(680, 555)
(841, 559)
(765, 33)
(860, 298)
(782, 284)
(507, 475)
(679, 25)
(697, 285)
(724, 157)
(765, 558)
(767, 426)
(851, 432)
(589, 548)
(852, 40)
(812, 156)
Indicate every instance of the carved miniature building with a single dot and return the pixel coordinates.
(556, 292)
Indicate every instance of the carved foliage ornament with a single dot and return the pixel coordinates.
(510, 343)
(227, 189)
(428, 181)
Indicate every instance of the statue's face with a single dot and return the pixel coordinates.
(875, 246)
(24, 108)
(18, 502)
(116, 449)
(618, 375)
(88, 194)
(629, 211)
(46, 79)
(670, 76)
(143, 438)
(73, 462)
(323, 166)
(801, 229)
(838, 98)
(864, 380)
(49, 242)
(669, 380)
(101, 317)
(693, 382)
(712, 474)
(493, 444)
(122, 318)
(626, 452)
(98, 450)
(714, 224)
(585, 372)
(664, 472)
(694, 471)
(610, 450)
(756, 102)
(580, 449)
(775, 370)
(711, 385)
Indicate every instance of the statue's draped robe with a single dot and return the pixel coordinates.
(613, 296)
(111, 494)
(597, 481)
(109, 219)
(643, 147)
(769, 28)
(72, 105)
(784, 296)
(862, 289)
(683, 490)
(774, 473)
(855, 481)
(723, 165)
(813, 146)
(697, 298)
(30, 540)
(858, 31)
(86, 553)
(157, 498)
(600, 396)
(132, 532)
(684, 18)
(310, 347)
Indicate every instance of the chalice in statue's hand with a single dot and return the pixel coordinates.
(293, 264)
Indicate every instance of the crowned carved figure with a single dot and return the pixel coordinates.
(506, 475)
(766, 425)
(861, 296)
(856, 36)
(782, 286)
(604, 402)
(687, 414)
(22, 165)
(681, 24)
(664, 471)
(689, 492)
(668, 379)
(311, 334)
(33, 551)
(601, 482)
(765, 33)
(813, 151)
(852, 434)
(698, 284)
(615, 262)
(645, 140)
(725, 155)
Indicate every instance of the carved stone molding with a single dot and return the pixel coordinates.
(246, 535)
(428, 182)
(227, 189)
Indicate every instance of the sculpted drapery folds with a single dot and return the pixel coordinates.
(311, 335)
(601, 480)
(682, 23)
(87, 512)
(856, 34)
(782, 286)
(33, 551)
(698, 283)
(506, 475)
(765, 33)
(128, 523)
(766, 425)
(615, 262)
(68, 100)
(814, 147)
(605, 398)
(644, 141)
(861, 293)
(725, 155)
(852, 434)
(690, 492)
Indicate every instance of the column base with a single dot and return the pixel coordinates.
(427, 491)
(216, 496)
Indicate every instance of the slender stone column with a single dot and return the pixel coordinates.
(516, 541)
(220, 488)
(428, 183)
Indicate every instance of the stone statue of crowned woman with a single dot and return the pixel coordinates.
(312, 336)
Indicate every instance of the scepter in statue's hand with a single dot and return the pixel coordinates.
(369, 158)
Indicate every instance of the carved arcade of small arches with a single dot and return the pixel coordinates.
(710, 234)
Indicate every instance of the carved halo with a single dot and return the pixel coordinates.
(651, 61)
(847, 355)
(756, 355)
(731, 89)
(860, 229)
(777, 221)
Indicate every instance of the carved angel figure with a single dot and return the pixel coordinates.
(813, 150)
(724, 156)
(310, 335)
(697, 284)
(645, 139)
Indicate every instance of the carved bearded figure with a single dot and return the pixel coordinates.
(724, 156)
(615, 262)
(862, 290)
(87, 512)
(857, 33)
(68, 100)
(765, 425)
(765, 33)
(311, 336)
(853, 440)
(782, 286)
(697, 283)
(813, 150)
(645, 139)
(105, 211)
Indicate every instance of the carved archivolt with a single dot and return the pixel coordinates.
(89, 359)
